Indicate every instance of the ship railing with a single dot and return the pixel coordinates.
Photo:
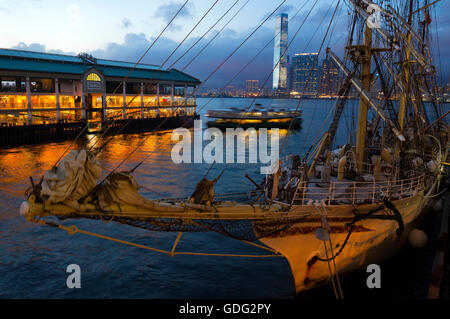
(336, 193)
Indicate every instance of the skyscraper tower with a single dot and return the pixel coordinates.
(280, 54)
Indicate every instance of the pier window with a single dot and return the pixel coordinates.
(178, 96)
(150, 88)
(134, 113)
(165, 112)
(133, 100)
(14, 118)
(165, 95)
(97, 101)
(150, 112)
(13, 102)
(114, 100)
(42, 85)
(114, 114)
(70, 116)
(190, 96)
(12, 84)
(44, 117)
(133, 88)
(43, 101)
(114, 87)
(67, 101)
(150, 101)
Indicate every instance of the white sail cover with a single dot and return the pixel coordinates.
(74, 177)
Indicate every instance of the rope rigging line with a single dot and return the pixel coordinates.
(281, 56)
(216, 35)
(189, 33)
(176, 108)
(251, 60)
(154, 79)
(269, 75)
(209, 76)
(145, 53)
(166, 119)
(200, 38)
(309, 78)
(109, 125)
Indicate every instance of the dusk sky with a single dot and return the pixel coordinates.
(123, 30)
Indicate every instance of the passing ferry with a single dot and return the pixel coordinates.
(259, 118)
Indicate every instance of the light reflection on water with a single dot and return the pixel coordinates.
(33, 258)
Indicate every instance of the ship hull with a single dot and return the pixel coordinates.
(372, 241)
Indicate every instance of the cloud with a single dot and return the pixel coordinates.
(126, 23)
(38, 47)
(287, 8)
(133, 45)
(167, 11)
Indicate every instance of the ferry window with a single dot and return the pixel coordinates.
(93, 77)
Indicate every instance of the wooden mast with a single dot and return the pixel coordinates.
(363, 103)
(403, 97)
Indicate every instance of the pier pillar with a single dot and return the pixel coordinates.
(124, 90)
(83, 103)
(157, 100)
(104, 104)
(142, 100)
(28, 89)
(185, 99)
(172, 99)
(58, 105)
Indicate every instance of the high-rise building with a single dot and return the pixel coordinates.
(280, 53)
(329, 81)
(305, 74)
(252, 87)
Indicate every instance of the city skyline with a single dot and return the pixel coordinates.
(126, 33)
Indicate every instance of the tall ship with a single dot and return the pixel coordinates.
(329, 211)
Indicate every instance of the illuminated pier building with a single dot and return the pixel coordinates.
(43, 88)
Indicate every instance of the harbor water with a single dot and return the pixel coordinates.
(34, 258)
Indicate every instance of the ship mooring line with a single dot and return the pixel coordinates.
(72, 230)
